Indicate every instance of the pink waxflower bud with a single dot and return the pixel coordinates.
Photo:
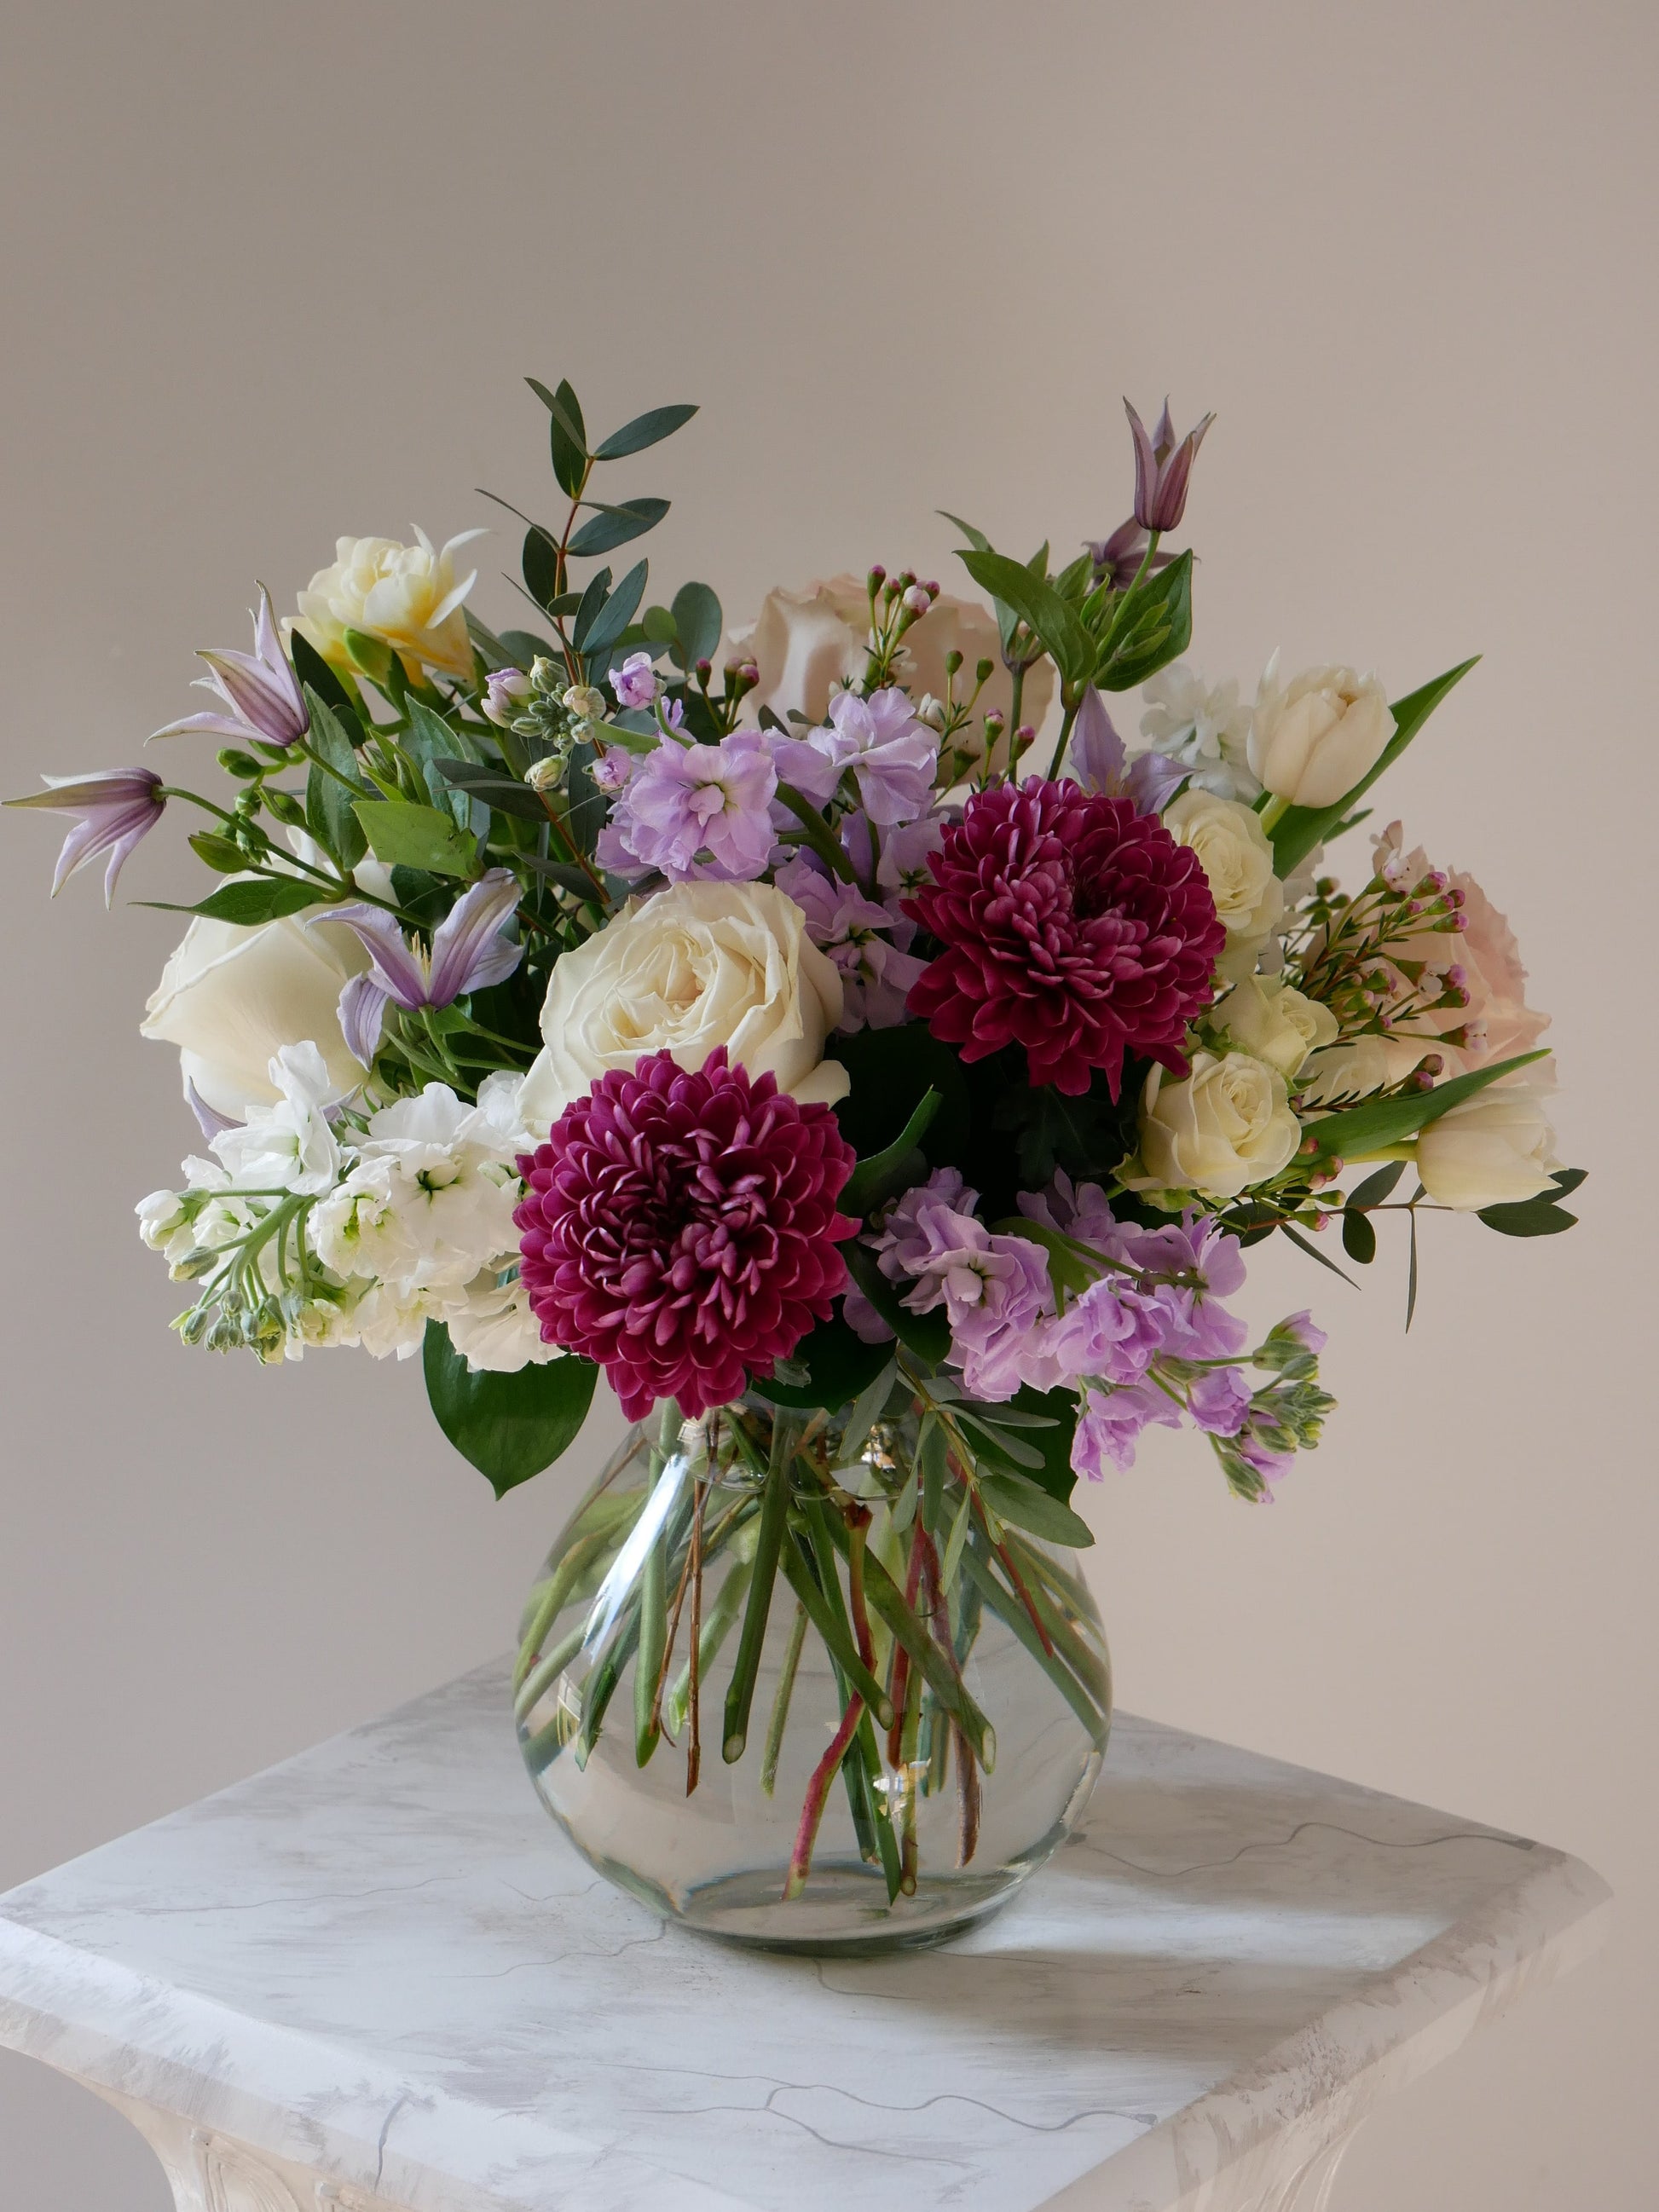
(916, 601)
(877, 577)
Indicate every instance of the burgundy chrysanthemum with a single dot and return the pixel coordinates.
(1070, 925)
(681, 1229)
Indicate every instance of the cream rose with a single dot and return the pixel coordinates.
(1237, 860)
(1490, 1150)
(231, 998)
(1227, 1126)
(1272, 1021)
(806, 643)
(1312, 739)
(700, 966)
(404, 595)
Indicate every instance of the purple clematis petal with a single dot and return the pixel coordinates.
(399, 969)
(262, 692)
(210, 1122)
(114, 807)
(361, 1011)
(1163, 468)
(1097, 751)
(469, 953)
(1153, 780)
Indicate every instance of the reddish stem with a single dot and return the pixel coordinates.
(968, 1775)
(1020, 1591)
(817, 1792)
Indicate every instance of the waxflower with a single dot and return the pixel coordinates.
(113, 809)
(259, 691)
(1161, 469)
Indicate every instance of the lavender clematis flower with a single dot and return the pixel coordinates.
(1117, 559)
(259, 689)
(468, 954)
(1161, 469)
(1100, 762)
(114, 807)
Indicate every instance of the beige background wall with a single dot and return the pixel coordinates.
(273, 274)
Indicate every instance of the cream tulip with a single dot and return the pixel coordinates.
(1312, 739)
(1492, 1149)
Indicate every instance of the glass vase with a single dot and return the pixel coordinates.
(810, 1690)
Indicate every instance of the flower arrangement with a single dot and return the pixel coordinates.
(786, 1043)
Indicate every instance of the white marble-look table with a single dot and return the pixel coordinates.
(377, 1977)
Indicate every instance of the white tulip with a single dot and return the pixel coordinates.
(1491, 1150)
(1312, 739)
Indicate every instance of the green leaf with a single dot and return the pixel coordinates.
(1358, 1236)
(613, 617)
(1151, 627)
(927, 1333)
(1542, 1216)
(406, 835)
(586, 803)
(976, 537)
(314, 672)
(616, 525)
(647, 430)
(1382, 1121)
(1375, 1187)
(258, 899)
(1299, 828)
(525, 646)
(504, 793)
(1411, 1274)
(223, 853)
(891, 1071)
(331, 814)
(887, 1171)
(658, 626)
(570, 435)
(1313, 1253)
(1037, 602)
(540, 563)
(510, 1427)
(839, 1364)
(373, 656)
(589, 606)
(1026, 1506)
(698, 621)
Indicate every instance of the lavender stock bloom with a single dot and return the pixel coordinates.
(893, 756)
(468, 954)
(259, 689)
(685, 800)
(858, 935)
(114, 808)
(1161, 469)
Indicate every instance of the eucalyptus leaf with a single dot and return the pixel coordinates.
(698, 621)
(617, 613)
(1358, 1237)
(1023, 1506)
(313, 671)
(570, 435)
(1377, 1186)
(647, 430)
(540, 563)
(616, 526)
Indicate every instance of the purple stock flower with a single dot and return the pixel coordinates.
(1219, 1401)
(1100, 762)
(892, 756)
(857, 934)
(259, 689)
(1161, 469)
(468, 954)
(1117, 559)
(113, 807)
(995, 1290)
(683, 801)
(1110, 1426)
(637, 682)
(504, 689)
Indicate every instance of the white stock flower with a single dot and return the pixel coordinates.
(407, 596)
(1227, 1126)
(429, 1202)
(699, 965)
(289, 1145)
(494, 1329)
(1206, 728)
(231, 998)
(1491, 1150)
(1238, 863)
(1272, 1020)
(1313, 738)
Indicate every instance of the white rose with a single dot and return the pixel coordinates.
(700, 966)
(1490, 1150)
(231, 998)
(1237, 860)
(806, 643)
(404, 595)
(1272, 1021)
(1313, 738)
(1227, 1126)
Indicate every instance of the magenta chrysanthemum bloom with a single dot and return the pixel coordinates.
(681, 1229)
(1072, 926)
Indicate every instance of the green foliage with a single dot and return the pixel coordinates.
(509, 1426)
(891, 1071)
(248, 903)
(540, 563)
(1016, 1498)
(928, 1335)
(410, 836)
(896, 1167)
(647, 429)
(1057, 623)
(330, 809)
(1543, 1216)
(1150, 626)
(1380, 1123)
(597, 631)
(834, 1364)
(1299, 828)
(570, 435)
(315, 674)
(698, 621)
(614, 525)
(1358, 1236)
(1377, 1186)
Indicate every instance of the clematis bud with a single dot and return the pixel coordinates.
(1163, 468)
(113, 808)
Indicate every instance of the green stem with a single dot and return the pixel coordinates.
(834, 1630)
(1064, 738)
(775, 1513)
(1013, 1616)
(888, 1602)
(786, 1691)
(718, 1623)
(818, 834)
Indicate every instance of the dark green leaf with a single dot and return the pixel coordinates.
(1151, 627)
(1411, 1274)
(525, 646)
(1375, 1187)
(1313, 1253)
(588, 610)
(976, 538)
(562, 873)
(647, 429)
(248, 903)
(891, 1071)
(1026, 1506)
(1037, 603)
(416, 836)
(503, 793)
(1382, 1121)
(885, 1172)
(222, 853)
(1535, 1218)
(617, 524)
(313, 670)
(510, 1427)
(587, 802)
(1358, 1237)
(1299, 828)
(540, 563)
(658, 626)
(927, 1333)
(570, 435)
(838, 1364)
(698, 621)
(330, 812)
(490, 649)
(614, 616)
(1568, 1179)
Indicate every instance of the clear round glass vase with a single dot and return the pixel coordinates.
(807, 1691)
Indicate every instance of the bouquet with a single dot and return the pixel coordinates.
(855, 1047)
